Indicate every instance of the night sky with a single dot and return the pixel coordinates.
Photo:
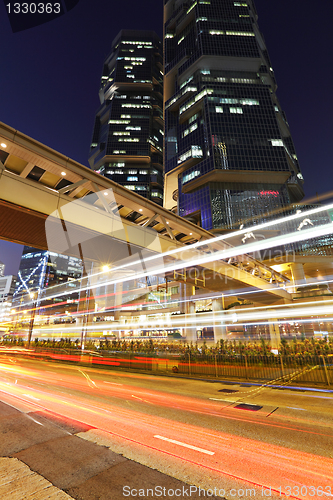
(50, 77)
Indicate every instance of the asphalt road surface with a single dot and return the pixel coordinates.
(238, 442)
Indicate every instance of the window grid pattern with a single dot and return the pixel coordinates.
(129, 122)
(229, 114)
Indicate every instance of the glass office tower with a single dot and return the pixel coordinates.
(48, 274)
(229, 155)
(127, 143)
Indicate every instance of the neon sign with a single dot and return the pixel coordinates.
(269, 193)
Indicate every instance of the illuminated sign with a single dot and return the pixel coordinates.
(269, 193)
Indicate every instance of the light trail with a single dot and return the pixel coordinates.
(248, 461)
(242, 317)
(249, 248)
(227, 253)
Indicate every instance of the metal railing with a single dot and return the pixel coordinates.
(274, 369)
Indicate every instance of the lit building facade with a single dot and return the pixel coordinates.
(7, 287)
(229, 155)
(46, 276)
(127, 143)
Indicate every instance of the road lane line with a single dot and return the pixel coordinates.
(184, 445)
(39, 423)
(32, 397)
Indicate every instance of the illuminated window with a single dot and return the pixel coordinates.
(128, 139)
(134, 58)
(190, 176)
(194, 152)
(125, 42)
(128, 105)
(240, 33)
(118, 122)
(196, 98)
(190, 129)
(226, 100)
(186, 81)
(156, 194)
(276, 142)
(193, 118)
(249, 102)
(218, 109)
(132, 179)
(243, 80)
(238, 111)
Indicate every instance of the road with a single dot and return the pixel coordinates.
(278, 443)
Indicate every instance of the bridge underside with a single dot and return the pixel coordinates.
(69, 209)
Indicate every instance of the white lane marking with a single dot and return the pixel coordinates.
(185, 445)
(144, 400)
(112, 383)
(32, 397)
(225, 400)
(34, 420)
(293, 408)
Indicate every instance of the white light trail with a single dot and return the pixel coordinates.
(293, 237)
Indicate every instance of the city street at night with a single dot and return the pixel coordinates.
(166, 250)
(208, 434)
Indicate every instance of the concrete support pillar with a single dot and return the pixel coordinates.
(274, 332)
(118, 300)
(297, 273)
(219, 328)
(191, 327)
(188, 308)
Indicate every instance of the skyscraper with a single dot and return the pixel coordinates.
(127, 141)
(47, 274)
(229, 155)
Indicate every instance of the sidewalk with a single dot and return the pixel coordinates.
(43, 458)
